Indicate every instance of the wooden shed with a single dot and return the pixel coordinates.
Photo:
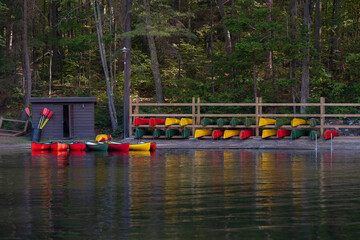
(74, 117)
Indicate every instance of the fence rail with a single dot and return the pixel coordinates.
(196, 113)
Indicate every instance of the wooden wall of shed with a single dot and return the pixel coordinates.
(54, 127)
(84, 120)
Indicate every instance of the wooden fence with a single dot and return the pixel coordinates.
(258, 106)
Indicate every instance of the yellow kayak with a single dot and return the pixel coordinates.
(298, 121)
(268, 133)
(202, 132)
(266, 121)
(231, 133)
(140, 147)
(171, 121)
(185, 121)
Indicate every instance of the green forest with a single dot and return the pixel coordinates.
(173, 50)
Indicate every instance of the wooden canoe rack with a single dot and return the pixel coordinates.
(14, 131)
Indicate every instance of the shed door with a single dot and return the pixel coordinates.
(68, 128)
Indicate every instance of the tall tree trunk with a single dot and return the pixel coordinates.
(317, 30)
(269, 53)
(228, 43)
(305, 77)
(212, 47)
(127, 72)
(293, 62)
(334, 44)
(153, 55)
(112, 110)
(26, 60)
(111, 22)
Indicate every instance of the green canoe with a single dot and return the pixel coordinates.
(157, 133)
(235, 121)
(249, 121)
(281, 121)
(186, 133)
(171, 132)
(208, 121)
(221, 122)
(296, 133)
(314, 134)
(140, 132)
(98, 146)
(314, 122)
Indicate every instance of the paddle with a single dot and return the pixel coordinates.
(47, 119)
(44, 112)
(27, 110)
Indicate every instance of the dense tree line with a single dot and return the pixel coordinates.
(219, 50)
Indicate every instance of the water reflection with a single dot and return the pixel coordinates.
(179, 194)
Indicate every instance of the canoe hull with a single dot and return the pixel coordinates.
(217, 134)
(268, 133)
(171, 121)
(314, 134)
(40, 146)
(231, 133)
(221, 122)
(141, 121)
(283, 133)
(235, 122)
(140, 147)
(202, 132)
(59, 146)
(266, 121)
(114, 146)
(298, 133)
(208, 121)
(298, 121)
(246, 134)
(249, 122)
(140, 132)
(77, 146)
(157, 133)
(330, 133)
(97, 146)
(186, 133)
(279, 122)
(171, 132)
(156, 121)
(185, 121)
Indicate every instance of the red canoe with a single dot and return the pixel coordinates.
(116, 146)
(141, 121)
(331, 133)
(152, 146)
(156, 121)
(282, 133)
(40, 146)
(59, 146)
(246, 133)
(217, 133)
(77, 146)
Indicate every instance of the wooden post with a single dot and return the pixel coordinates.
(193, 112)
(322, 115)
(131, 123)
(257, 117)
(1, 120)
(198, 112)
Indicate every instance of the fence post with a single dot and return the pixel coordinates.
(198, 112)
(131, 123)
(322, 115)
(193, 116)
(257, 116)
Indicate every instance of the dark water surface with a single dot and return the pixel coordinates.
(180, 194)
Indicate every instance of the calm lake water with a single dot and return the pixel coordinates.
(180, 194)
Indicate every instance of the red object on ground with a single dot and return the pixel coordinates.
(217, 133)
(329, 133)
(156, 121)
(141, 121)
(153, 146)
(115, 146)
(282, 133)
(40, 146)
(77, 146)
(246, 133)
(59, 146)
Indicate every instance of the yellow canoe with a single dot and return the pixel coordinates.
(202, 132)
(171, 121)
(231, 133)
(298, 121)
(185, 121)
(140, 147)
(266, 121)
(268, 133)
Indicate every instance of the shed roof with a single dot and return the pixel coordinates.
(63, 100)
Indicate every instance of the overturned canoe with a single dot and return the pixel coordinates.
(217, 133)
(156, 121)
(268, 133)
(40, 146)
(141, 121)
(280, 122)
(296, 133)
(246, 133)
(172, 121)
(330, 134)
(208, 121)
(140, 132)
(185, 121)
(314, 134)
(186, 133)
(116, 146)
(157, 133)
(221, 122)
(235, 122)
(314, 121)
(249, 122)
(202, 132)
(266, 121)
(298, 121)
(77, 146)
(231, 133)
(283, 133)
(59, 146)
(153, 146)
(140, 147)
(97, 146)
(172, 132)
